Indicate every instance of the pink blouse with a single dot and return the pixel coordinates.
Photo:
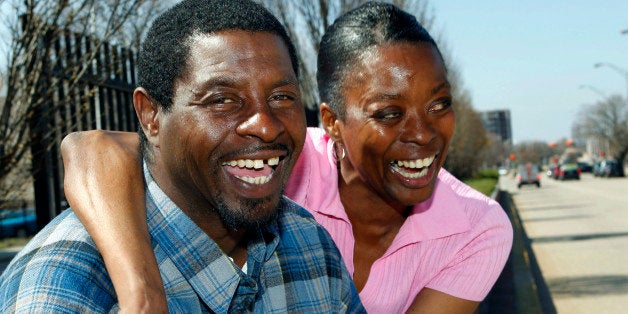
(457, 242)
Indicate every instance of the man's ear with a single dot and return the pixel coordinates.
(330, 122)
(148, 115)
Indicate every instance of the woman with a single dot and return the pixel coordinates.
(415, 238)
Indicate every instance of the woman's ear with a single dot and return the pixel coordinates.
(330, 122)
(148, 115)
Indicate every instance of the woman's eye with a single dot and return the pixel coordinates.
(223, 100)
(440, 106)
(387, 115)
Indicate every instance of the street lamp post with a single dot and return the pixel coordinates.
(593, 89)
(617, 69)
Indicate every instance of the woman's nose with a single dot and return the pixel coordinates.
(418, 129)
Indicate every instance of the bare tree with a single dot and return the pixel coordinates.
(496, 151)
(536, 152)
(606, 120)
(464, 157)
(42, 57)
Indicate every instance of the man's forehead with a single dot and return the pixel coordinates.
(237, 48)
(233, 37)
(229, 58)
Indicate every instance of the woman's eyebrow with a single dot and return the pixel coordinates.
(439, 87)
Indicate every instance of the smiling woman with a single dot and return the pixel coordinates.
(413, 236)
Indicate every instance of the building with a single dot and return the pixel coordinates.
(498, 122)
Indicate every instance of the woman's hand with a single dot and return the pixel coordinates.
(104, 185)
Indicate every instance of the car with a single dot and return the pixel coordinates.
(502, 171)
(552, 171)
(569, 171)
(597, 169)
(528, 174)
(585, 166)
(19, 222)
(609, 168)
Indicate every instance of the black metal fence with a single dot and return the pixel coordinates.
(99, 97)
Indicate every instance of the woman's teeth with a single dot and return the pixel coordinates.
(417, 163)
(400, 166)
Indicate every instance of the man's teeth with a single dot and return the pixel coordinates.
(252, 163)
(256, 180)
(415, 164)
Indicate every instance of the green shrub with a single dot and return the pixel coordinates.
(488, 174)
(484, 185)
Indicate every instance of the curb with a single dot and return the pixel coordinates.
(517, 288)
(525, 287)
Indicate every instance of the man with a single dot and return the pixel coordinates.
(222, 126)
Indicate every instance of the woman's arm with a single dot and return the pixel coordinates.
(432, 301)
(104, 185)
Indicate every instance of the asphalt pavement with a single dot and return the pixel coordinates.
(575, 243)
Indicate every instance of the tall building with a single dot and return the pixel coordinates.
(498, 122)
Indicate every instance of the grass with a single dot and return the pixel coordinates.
(484, 182)
(484, 185)
(9, 242)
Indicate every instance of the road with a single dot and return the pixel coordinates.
(579, 235)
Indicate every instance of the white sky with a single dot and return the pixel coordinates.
(532, 57)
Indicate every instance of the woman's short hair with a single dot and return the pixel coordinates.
(372, 24)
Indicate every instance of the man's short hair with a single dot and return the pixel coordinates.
(165, 50)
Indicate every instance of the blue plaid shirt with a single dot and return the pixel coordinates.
(292, 266)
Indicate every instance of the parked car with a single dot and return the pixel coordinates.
(528, 174)
(569, 171)
(502, 171)
(597, 169)
(609, 168)
(17, 222)
(585, 166)
(552, 171)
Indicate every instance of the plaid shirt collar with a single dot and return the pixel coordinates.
(214, 277)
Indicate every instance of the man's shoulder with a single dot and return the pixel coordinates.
(60, 266)
(293, 214)
(300, 231)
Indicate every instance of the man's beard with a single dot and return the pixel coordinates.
(249, 216)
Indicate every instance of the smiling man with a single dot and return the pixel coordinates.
(222, 126)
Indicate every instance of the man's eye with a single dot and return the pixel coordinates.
(282, 100)
(222, 104)
(282, 97)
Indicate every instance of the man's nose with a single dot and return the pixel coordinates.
(261, 123)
